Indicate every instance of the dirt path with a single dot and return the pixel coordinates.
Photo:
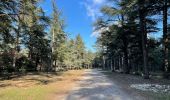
(89, 84)
(94, 85)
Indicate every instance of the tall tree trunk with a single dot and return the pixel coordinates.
(16, 44)
(114, 66)
(165, 36)
(15, 52)
(122, 63)
(125, 50)
(37, 61)
(30, 48)
(142, 15)
(55, 63)
(104, 63)
(119, 63)
(52, 50)
(111, 64)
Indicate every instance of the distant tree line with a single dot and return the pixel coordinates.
(126, 43)
(32, 41)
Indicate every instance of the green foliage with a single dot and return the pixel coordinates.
(23, 24)
(66, 53)
(126, 36)
(71, 54)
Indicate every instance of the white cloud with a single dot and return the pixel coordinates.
(93, 8)
(93, 11)
(98, 1)
(96, 33)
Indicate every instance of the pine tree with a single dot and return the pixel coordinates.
(80, 49)
(57, 33)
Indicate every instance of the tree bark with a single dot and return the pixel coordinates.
(125, 50)
(111, 64)
(16, 44)
(142, 15)
(104, 63)
(114, 67)
(165, 36)
(119, 66)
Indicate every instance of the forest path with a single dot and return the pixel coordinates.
(95, 85)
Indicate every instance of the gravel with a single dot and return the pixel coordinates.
(152, 87)
(96, 86)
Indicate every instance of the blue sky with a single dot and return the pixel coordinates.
(79, 16)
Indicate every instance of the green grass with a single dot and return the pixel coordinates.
(32, 93)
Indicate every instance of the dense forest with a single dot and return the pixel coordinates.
(127, 41)
(44, 56)
(32, 41)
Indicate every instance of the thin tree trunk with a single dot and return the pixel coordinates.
(16, 45)
(144, 37)
(52, 49)
(37, 61)
(114, 64)
(55, 63)
(111, 64)
(126, 65)
(104, 62)
(165, 36)
(120, 63)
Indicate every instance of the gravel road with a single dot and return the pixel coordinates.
(96, 86)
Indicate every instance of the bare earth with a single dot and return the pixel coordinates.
(94, 85)
(91, 84)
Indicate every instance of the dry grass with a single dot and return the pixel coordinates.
(39, 86)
